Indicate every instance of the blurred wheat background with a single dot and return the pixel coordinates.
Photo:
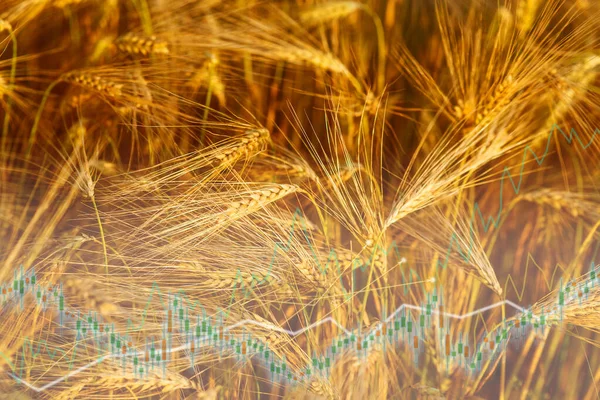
(171, 142)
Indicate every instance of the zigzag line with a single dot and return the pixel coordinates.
(516, 187)
(28, 343)
(266, 326)
(293, 333)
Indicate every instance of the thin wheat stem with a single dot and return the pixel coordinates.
(381, 49)
(38, 117)
(211, 71)
(11, 85)
(101, 234)
(144, 13)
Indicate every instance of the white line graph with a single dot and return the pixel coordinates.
(276, 329)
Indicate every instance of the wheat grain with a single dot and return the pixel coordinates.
(315, 277)
(230, 280)
(5, 25)
(329, 11)
(208, 76)
(322, 61)
(96, 83)
(253, 141)
(322, 388)
(133, 44)
(526, 14)
(257, 200)
(169, 383)
(428, 392)
(569, 202)
(499, 99)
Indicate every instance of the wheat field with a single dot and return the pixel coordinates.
(291, 171)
